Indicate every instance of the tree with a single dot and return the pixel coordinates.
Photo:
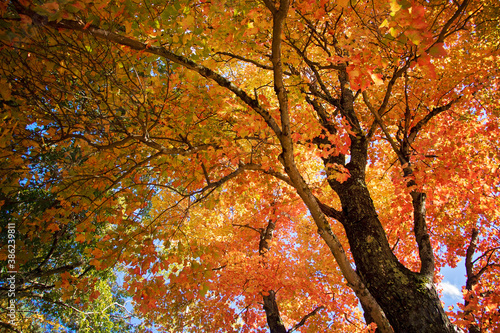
(54, 276)
(182, 127)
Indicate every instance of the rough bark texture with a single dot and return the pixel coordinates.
(408, 299)
(272, 313)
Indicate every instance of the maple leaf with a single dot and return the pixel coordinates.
(80, 238)
(50, 7)
(438, 50)
(53, 227)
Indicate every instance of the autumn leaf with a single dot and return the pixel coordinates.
(438, 50)
(53, 227)
(50, 7)
(80, 238)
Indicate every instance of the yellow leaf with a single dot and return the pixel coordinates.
(395, 7)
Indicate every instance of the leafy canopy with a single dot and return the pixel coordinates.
(181, 142)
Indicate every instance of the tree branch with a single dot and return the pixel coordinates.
(279, 86)
(331, 212)
(446, 26)
(250, 61)
(422, 122)
(304, 319)
(378, 119)
(425, 251)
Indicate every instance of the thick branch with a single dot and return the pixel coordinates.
(425, 251)
(266, 236)
(331, 212)
(469, 264)
(272, 313)
(472, 279)
(270, 305)
(279, 85)
(325, 118)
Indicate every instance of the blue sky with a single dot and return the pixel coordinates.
(451, 286)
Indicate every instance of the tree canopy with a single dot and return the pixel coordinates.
(246, 166)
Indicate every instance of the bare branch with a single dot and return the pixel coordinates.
(250, 61)
(247, 226)
(446, 26)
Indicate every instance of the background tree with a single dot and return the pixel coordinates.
(173, 123)
(55, 279)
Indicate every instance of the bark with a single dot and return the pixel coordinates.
(270, 306)
(286, 158)
(273, 314)
(471, 281)
(408, 299)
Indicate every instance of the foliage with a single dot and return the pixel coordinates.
(201, 145)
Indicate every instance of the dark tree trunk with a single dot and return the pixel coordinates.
(272, 313)
(472, 280)
(408, 299)
(270, 306)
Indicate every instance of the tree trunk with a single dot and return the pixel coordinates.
(272, 313)
(472, 280)
(409, 299)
